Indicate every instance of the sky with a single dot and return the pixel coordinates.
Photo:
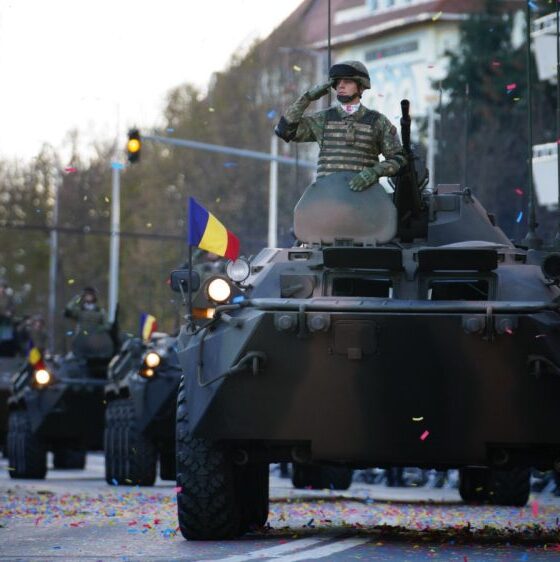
(101, 67)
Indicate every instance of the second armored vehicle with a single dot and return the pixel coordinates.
(141, 396)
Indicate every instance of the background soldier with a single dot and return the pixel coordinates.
(90, 316)
(350, 136)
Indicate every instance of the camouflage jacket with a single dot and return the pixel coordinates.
(91, 321)
(294, 126)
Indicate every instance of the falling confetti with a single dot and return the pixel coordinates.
(211, 109)
(230, 164)
(71, 281)
(519, 217)
(511, 87)
(296, 68)
(496, 64)
(533, 6)
(170, 130)
(106, 199)
(437, 16)
(535, 508)
(424, 435)
(178, 489)
(518, 191)
(418, 419)
(70, 169)
(271, 114)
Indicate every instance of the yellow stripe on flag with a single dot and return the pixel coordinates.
(215, 238)
(34, 356)
(148, 327)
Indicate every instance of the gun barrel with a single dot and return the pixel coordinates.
(405, 124)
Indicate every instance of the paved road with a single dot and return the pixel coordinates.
(74, 515)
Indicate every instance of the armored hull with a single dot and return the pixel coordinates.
(439, 348)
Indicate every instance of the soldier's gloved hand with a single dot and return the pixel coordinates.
(366, 178)
(317, 92)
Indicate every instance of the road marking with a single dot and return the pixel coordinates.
(322, 551)
(271, 552)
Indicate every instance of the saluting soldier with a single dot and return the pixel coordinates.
(90, 316)
(351, 137)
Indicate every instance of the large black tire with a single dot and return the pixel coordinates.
(510, 487)
(69, 458)
(130, 457)
(253, 488)
(474, 484)
(208, 504)
(320, 477)
(27, 455)
(498, 487)
(167, 464)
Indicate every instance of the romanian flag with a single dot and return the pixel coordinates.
(148, 326)
(208, 233)
(35, 357)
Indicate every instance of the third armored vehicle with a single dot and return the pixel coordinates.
(391, 335)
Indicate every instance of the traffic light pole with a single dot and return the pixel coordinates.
(115, 240)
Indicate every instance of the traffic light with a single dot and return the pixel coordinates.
(133, 146)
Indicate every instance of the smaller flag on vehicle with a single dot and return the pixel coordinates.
(148, 326)
(35, 357)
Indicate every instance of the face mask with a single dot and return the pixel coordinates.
(345, 99)
(89, 306)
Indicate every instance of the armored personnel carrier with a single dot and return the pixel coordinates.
(398, 332)
(141, 397)
(59, 407)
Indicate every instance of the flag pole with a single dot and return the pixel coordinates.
(189, 293)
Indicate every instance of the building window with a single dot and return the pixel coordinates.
(373, 5)
(393, 50)
(389, 3)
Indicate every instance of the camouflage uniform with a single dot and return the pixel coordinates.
(90, 321)
(348, 142)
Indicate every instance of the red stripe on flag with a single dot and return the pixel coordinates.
(232, 249)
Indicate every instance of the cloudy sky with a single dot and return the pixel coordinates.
(101, 67)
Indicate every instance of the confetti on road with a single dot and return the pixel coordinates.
(424, 435)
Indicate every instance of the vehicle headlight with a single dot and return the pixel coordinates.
(147, 372)
(42, 377)
(152, 359)
(238, 270)
(219, 290)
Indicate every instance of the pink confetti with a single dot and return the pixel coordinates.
(508, 331)
(511, 87)
(178, 489)
(424, 435)
(70, 169)
(535, 508)
(518, 191)
(495, 63)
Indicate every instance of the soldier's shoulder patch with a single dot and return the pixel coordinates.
(393, 130)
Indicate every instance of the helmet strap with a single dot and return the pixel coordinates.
(348, 99)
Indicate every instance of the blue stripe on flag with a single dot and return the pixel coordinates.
(198, 219)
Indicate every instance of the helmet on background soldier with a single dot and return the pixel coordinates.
(352, 70)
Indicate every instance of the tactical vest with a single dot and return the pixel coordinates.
(348, 144)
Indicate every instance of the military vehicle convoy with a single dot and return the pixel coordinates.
(399, 332)
(59, 407)
(141, 395)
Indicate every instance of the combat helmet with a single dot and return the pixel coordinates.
(352, 69)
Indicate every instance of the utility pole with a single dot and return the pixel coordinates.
(557, 237)
(273, 194)
(114, 248)
(53, 260)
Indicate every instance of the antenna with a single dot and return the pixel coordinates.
(329, 42)
(557, 237)
(532, 240)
